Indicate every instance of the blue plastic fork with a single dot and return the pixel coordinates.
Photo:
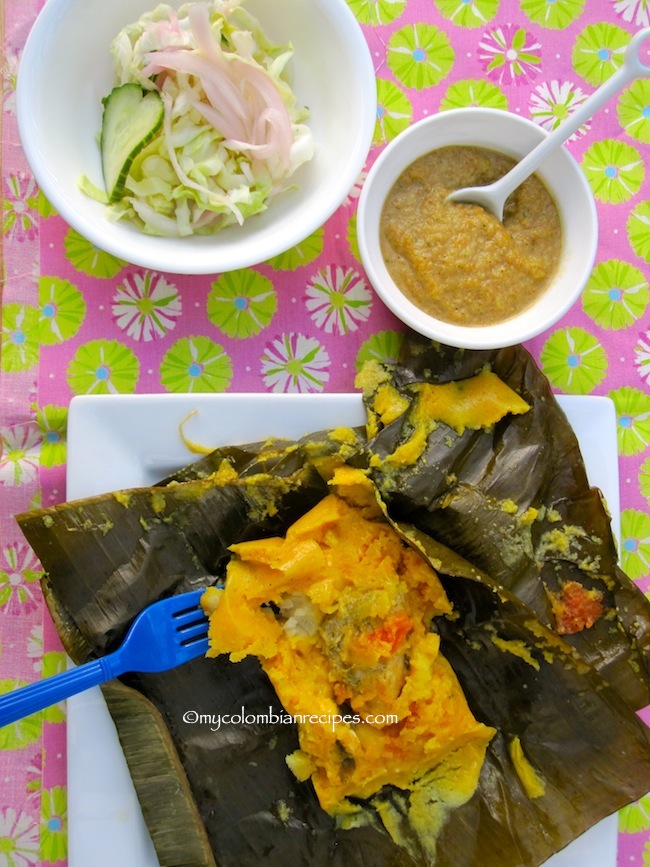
(163, 636)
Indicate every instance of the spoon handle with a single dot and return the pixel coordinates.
(631, 68)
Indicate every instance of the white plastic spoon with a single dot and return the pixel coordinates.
(493, 196)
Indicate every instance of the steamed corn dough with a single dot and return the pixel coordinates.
(339, 613)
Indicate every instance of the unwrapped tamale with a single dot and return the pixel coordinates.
(483, 479)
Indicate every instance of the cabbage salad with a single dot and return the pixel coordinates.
(229, 134)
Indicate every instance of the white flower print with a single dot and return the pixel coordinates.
(9, 78)
(21, 217)
(35, 644)
(19, 454)
(146, 306)
(510, 54)
(20, 836)
(635, 11)
(355, 192)
(338, 299)
(19, 573)
(642, 357)
(554, 101)
(295, 363)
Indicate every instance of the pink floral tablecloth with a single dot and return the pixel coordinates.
(77, 321)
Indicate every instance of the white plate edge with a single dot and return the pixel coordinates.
(133, 847)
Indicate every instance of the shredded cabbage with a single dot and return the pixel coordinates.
(233, 133)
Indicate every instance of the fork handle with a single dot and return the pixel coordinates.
(29, 699)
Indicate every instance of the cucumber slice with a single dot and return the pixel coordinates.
(132, 117)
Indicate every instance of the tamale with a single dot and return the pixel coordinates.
(555, 701)
(338, 611)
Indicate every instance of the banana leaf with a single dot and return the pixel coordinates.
(568, 701)
(457, 490)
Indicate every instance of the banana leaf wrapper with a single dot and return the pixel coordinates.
(107, 556)
(457, 491)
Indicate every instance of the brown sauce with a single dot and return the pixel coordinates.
(456, 261)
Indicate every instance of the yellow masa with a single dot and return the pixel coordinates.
(339, 614)
(475, 403)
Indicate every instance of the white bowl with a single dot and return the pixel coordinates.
(66, 70)
(514, 136)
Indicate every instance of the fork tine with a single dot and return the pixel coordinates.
(193, 647)
(188, 605)
(163, 636)
(193, 630)
(189, 616)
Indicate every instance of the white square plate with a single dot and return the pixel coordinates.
(122, 441)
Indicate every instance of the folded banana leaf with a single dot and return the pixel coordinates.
(563, 706)
(476, 491)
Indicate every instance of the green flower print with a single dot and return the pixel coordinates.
(638, 230)
(635, 545)
(88, 258)
(44, 207)
(633, 110)
(616, 294)
(338, 300)
(196, 364)
(19, 838)
(598, 52)
(383, 346)
(633, 414)
(24, 731)
(20, 348)
(614, 169)
(394, 112)
(103, 367)
(644, 479)
(62, 310)
(53, 422)
(54, 662)
(302, 254)
(472, 92)
(635, 817)
(20, 572)
(54, 831)
(554, 14)
(295, 363)
(574, 361)
(468, 13)
(375, 12)
(242, 303)
(146, 306)
(419, 55)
